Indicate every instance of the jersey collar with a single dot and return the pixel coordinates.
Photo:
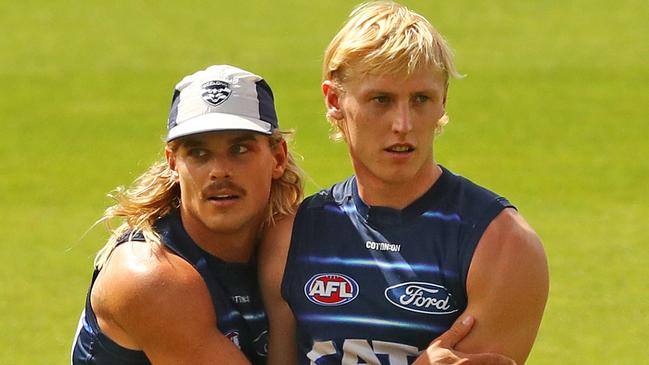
(390, 216)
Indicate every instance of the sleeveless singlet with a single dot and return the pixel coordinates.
(374, 285)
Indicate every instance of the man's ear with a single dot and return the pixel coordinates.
(332, 100)
(171, 161)
(280, 157)
(445, 95)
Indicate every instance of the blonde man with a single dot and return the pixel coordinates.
(373, 269)
(176, 282)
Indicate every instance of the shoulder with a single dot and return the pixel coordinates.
(476, 203)
(510, 233)
(280, 228)
(509, 256)
(143, 286)
(335, 194)
(471, 192)
(141, 267)
(274, 247)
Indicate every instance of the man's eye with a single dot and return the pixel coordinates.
(239, 149)
(381, 99)
(421, 98)
(197, 152)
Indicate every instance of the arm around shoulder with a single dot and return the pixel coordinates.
(507, 288)
(273, 255)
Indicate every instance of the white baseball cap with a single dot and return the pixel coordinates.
(219, 98)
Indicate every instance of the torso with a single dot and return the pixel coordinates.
(375, 285)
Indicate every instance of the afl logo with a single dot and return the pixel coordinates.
(421, 297)
(215, 92)
(331, 289)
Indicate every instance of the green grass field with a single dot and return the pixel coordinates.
(553, 115)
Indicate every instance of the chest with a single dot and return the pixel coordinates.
(353, 284)
(239, 309)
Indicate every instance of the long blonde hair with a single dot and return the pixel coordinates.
(155, 194)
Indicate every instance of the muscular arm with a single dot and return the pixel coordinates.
(507, 288)
(149, 299)
(282, 348)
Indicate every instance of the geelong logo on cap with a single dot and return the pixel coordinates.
(216, 92)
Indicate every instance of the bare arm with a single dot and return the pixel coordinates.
(441, 350)
(149, 299)
(282, 348)
(507, 288)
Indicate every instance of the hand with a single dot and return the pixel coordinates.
(441, 351)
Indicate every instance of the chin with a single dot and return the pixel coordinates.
(231, 223)
(222, 225)
(397, 176)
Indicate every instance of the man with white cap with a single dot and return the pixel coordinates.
(176, 282)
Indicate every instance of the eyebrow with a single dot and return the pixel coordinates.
(384, 92)
(192, 141)
(376, 91)
(247, 136)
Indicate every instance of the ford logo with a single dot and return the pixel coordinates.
(421, 297)
(331, 289)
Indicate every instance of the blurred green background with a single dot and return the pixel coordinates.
(553, 115)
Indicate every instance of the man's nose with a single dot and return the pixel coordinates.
(402, 121)
(221, 168)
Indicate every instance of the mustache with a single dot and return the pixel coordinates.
(219, 186)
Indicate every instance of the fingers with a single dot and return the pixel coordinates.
(456, 333)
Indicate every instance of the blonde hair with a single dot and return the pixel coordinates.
(156, 194)
(384, 37)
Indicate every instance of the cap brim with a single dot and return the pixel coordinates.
(214, 122)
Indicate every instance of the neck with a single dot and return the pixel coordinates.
(398, 194)
(230, 246)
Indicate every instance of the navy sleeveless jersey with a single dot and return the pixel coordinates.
(233, 288)
(374, 285)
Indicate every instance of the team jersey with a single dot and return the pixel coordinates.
(374, 285)
(232, 286)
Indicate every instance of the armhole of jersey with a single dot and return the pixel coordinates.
(287, 282)
(492, 210)
(90, 323)
(89, 313)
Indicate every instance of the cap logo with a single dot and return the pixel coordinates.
(216, 92)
